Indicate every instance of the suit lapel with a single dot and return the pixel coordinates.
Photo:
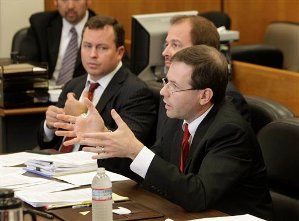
(196, 146)
(54, 34)
(112, 88)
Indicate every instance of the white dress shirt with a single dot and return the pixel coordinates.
(144, 158)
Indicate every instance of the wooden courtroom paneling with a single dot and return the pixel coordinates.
(250, 17)
(276, 84)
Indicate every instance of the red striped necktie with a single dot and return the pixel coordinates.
(91, 90)
(185, 147)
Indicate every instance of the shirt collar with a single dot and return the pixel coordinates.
(192, 127)
(104, 81)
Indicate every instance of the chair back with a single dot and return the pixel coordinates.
(17, 40)
(279, 142)
(285, 36)
(264, 111)
(261, 54)
(218, 18)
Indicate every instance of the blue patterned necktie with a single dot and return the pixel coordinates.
(69, 59)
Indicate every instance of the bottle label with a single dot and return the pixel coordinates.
(101, 194)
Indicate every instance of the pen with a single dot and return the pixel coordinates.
(41, 213)
(80, 206)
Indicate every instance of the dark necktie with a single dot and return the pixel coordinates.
(69, 148)
(69, 59)
(91, 90)
(185, 147)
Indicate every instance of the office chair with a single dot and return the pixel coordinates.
(260, 54)
(17, 40)
(218, 18)
(280, 147)
(279, 36)
(284, 36)
(264, 111)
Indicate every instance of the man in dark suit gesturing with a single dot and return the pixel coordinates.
(208, 158)
(48, 35)
(102, 49)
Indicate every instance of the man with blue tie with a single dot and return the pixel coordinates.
(51, 33)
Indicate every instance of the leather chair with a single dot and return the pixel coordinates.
(218, 18)
(264, 111)
(284, 36)
(16, 44)
(17, 39)
(279, 142)
(280, 36)
(265, 55)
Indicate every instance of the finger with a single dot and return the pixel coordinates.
(89, 104)
(67, 118)
(65, 126)
(91, 141)
(63, 133)
(85, 94)
(71, 141)
(71, 96)
(118, 120)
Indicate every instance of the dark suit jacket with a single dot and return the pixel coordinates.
(224, 169)
(42, 41)
(125, 93)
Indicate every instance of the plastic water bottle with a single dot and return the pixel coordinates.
(101, 196)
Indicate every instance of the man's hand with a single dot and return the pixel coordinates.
(51, 114)
(120, 143)
(73, 106)
(75, 126)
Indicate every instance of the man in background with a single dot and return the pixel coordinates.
(50, 34)
(185, 31)
(102, 49)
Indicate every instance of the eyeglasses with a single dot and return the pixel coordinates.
(172, 88)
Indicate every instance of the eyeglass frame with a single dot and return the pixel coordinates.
(172, 91)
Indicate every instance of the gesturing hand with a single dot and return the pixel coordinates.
(120, 143)
(74, 126)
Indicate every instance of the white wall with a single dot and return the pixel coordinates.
(14, 15)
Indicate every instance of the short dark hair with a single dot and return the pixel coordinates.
(100, 21)
(203, 31)
(210, 69)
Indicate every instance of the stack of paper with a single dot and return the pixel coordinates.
(62, 164)
(61, 198)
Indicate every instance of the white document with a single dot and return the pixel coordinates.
(11, 170)
(15, 159)
(43, 199)
(81, 179)
(12, 180)
(48, 186)
(245, 217)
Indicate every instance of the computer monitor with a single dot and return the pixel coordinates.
(148, 36)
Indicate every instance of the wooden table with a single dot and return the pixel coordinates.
(150, 200)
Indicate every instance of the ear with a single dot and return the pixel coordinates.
(205, 96)
(121, 51)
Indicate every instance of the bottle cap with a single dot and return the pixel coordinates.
(101, 170)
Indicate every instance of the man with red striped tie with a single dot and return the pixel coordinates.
(113, 87)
